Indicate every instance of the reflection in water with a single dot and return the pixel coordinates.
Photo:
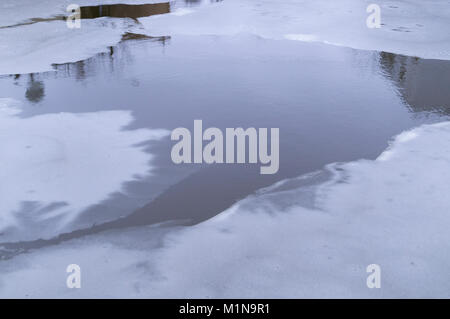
(423, 84)
(112, 61)
(35, 90)
(124, 10)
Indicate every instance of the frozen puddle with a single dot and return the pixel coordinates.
(312, 236)
(55, 166)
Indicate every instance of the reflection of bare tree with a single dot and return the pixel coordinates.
(35, 91)
(423, 84)
(116, 59)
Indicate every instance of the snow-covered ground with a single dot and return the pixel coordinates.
(410, 27)
(312, 236)
(48, 162)
(34, 48)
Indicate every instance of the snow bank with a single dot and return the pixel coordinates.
(411, 27)
(312, 236)
(54, 166)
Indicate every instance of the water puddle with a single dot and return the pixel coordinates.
(369, 97)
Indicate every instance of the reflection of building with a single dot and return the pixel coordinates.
(424, 84)
(114, 60)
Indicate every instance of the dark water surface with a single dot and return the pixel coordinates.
(331, 104)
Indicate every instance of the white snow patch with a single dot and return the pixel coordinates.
(410, 27)
(302, 37)
(71, 160)
(182, 11)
